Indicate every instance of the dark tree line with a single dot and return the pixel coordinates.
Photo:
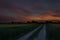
(30, 22)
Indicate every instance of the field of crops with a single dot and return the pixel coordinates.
(13, 31)
(53, 31)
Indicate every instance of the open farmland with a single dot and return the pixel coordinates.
(13, 31)
(53, 31)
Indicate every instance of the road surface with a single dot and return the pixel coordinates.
(37, 34)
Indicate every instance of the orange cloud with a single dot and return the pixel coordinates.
(45, 16)
(49, 16)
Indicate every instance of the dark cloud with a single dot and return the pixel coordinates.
(6, 19)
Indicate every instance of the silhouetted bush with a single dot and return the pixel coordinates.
(34, 22)
(28, 22)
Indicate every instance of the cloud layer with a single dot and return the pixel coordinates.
(27, 10)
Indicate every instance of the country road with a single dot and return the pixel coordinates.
(49, 31)
(37, 34)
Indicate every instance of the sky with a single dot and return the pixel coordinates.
(27, 10)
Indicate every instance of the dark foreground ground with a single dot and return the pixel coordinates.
(14, 31)
(53, 31)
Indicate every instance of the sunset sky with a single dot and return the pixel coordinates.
(27, 10)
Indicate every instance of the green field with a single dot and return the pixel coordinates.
(53, 31)
(13, 31)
